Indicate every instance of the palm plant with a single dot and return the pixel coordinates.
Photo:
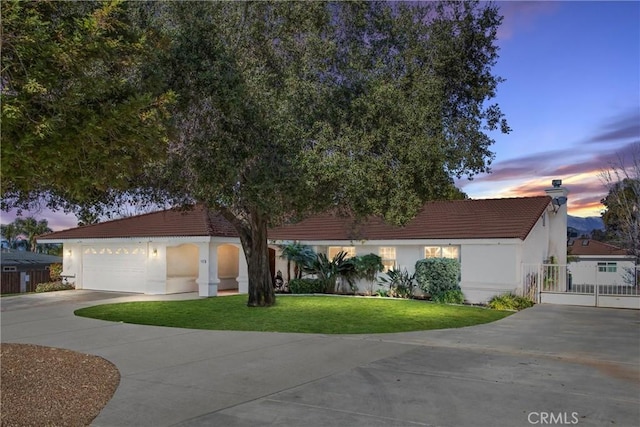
(298, 254)
(401, 283)
(329, 271)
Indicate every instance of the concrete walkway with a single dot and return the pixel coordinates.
(549, 365)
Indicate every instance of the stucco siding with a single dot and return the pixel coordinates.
(488, 270)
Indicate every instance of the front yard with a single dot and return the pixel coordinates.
(305, 314)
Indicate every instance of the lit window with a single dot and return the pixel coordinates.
(442, 252)
(335, 250)
(388, 255)
(607, 267)
(451, 252)
(432, 252)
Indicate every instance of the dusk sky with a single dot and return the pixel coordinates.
(571, 96)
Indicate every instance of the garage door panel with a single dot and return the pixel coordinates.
(114, 267)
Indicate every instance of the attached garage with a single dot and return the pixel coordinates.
(114, 267)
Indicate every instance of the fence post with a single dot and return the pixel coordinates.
(539, 284)
(597, 286)
(23, 282)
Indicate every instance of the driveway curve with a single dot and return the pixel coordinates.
(547, 365)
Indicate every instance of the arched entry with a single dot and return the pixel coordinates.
(228, 258)
(182, 268)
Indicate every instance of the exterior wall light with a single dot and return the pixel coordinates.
(155, 252)
(69, 252)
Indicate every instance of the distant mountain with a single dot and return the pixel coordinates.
(585, 225)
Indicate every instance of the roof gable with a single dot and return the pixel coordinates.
(455, 219)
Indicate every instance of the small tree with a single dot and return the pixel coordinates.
(622, 214)
(367, 268)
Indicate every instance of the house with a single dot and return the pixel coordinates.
(13, 260)
(182, 251)
(599, 263)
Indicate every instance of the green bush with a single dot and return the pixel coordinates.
(54, 286)
(453, 296)
(306, 286)
(509, 302)
(436, 276)
(55, 270)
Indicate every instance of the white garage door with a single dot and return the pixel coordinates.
(114, 267)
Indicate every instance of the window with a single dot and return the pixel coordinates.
(11, 268)
(607, 267)
(335, 250)
(388, 255)
(442, 252)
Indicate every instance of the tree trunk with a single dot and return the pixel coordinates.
(253, 236)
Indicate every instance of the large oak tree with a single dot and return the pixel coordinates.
(286, 109)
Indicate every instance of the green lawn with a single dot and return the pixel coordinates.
(308, 314)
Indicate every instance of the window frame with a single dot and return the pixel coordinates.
(350, 250)
(607, 267)
(441, 251)
(386, 258)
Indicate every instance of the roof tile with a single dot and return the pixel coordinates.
(456, 219)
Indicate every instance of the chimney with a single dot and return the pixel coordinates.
(557, 214)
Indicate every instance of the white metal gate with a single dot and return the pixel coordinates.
(554, 284)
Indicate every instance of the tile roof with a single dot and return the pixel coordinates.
(593, 247)
(167, 223)
(456, 219)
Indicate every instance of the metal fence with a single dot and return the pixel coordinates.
(579, 279)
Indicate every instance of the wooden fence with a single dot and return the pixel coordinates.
(10, 281)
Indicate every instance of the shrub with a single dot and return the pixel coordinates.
(382, 293)
(401, 283)
(436, 276)
(54, 286)
(509, 302)
(453, 296)
(55, 271)
(367, 267)
(306, 286)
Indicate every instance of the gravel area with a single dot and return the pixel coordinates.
(44, 386)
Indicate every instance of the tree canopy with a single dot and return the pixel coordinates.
(368, 108)
(283, 109)
(80, 114)
(28, 227)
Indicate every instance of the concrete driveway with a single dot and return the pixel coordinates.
(548, 365)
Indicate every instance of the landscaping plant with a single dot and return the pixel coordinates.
(367, 268)
(437, 276)
(509, 302)
(401, 284)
